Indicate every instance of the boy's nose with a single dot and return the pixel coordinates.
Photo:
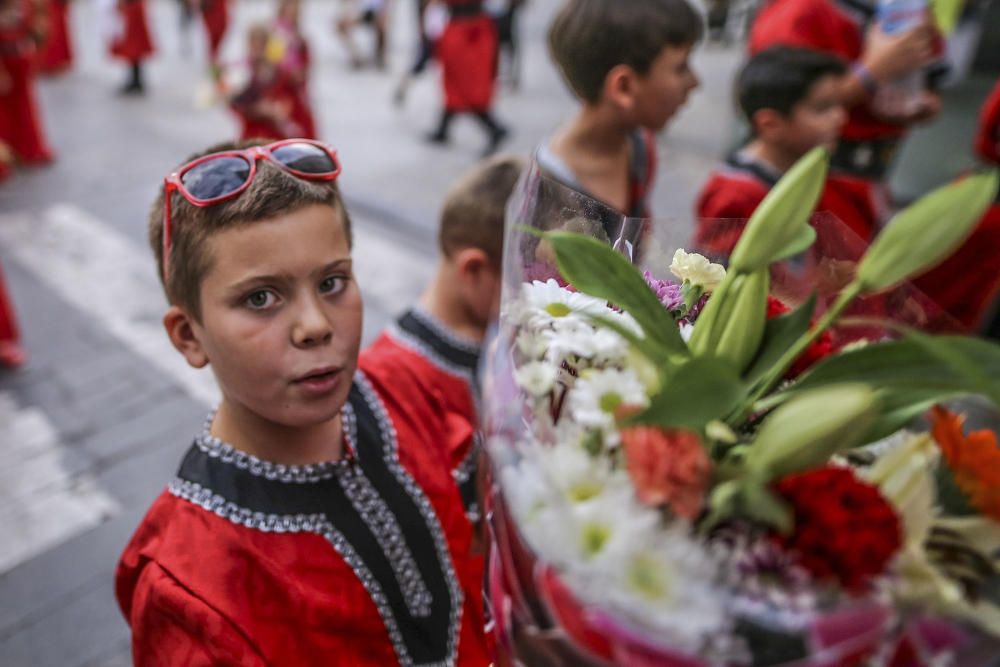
(312, 326)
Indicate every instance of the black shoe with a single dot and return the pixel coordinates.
(438, 138)
(132, 88)
(496, 138)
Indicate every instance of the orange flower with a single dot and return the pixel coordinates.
(668, 467)
(974, 460)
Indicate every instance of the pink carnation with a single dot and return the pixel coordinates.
(668, 467)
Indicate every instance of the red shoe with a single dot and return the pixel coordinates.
(12, 355)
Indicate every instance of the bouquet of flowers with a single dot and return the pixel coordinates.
(687, 471)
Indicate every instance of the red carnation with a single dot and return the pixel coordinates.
(844, 528)
(821, 348)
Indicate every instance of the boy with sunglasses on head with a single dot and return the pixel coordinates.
(313, 520)
(436, 344)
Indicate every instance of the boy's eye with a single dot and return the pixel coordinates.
(260, 299)
(333, 285)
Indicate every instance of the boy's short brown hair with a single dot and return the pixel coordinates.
(273, 192)
(473, 213)
(589, 38)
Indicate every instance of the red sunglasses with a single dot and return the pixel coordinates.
(220, 177)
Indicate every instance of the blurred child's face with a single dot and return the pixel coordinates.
(665, 88)
(281, 317)
(818, 119)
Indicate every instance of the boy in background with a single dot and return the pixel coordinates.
(314, 519)
(436, 344)
(791, 100)
(628, 64)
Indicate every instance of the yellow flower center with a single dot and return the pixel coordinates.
(558, 309)
(610, 402)
(593, 539)
(584, 491)
(648, 580)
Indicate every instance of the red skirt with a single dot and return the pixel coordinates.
(56, 54)
(20, 121)
(133, 43)
(467, 52)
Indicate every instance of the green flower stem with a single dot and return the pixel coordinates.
(850, 293)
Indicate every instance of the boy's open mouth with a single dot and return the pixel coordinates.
(317, 375)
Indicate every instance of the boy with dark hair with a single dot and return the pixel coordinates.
(791, 100)
(628, 63)
(313, 520)
(849, 29)
(436, 343)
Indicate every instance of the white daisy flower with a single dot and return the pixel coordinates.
(598, 394)
(536, 378)
(533, 344)
(546, 302)
(697, 270)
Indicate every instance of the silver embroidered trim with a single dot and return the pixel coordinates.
(385, 528)
(289, 474)
(446, 334)
(463, 473)
(390, 450)
(318, 523)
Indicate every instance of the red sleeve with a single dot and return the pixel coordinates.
(723, 208)
(988, 137)
(171, 627)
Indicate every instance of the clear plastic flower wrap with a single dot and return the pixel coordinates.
(637, 522)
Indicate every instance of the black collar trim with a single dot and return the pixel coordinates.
(371, 511)
(739, 162)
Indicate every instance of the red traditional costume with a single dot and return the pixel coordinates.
(966, 285)
(425, 352)
(216, 16)
(133, 42)
(268, 87)
(20, 124)
(734, 191)
(56, 54)
(294, 68)
(467, 51)
(358, 562)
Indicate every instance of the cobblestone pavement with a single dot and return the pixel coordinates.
(94, 425)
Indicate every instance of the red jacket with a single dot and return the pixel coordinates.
(133, 43)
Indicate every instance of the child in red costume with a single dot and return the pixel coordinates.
(314, 520)
(966, 285)
(628, 64)
(56, 53)
(467, 51)
(791, 100)
(294, 62)
(847, 29)
(132, 43)
(437, 343)
(264, 105)
(20, 122)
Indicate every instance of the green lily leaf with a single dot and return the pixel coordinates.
(595, 269)
(775, 229)
(779, 335)
(694, 394)
(946, 364)
(923, 235)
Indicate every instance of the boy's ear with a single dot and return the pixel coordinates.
(619, 86)
(766, 122)
(471, 262)
(180, 329)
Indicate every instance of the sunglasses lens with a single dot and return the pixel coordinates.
(305, 158)
(216, 178)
